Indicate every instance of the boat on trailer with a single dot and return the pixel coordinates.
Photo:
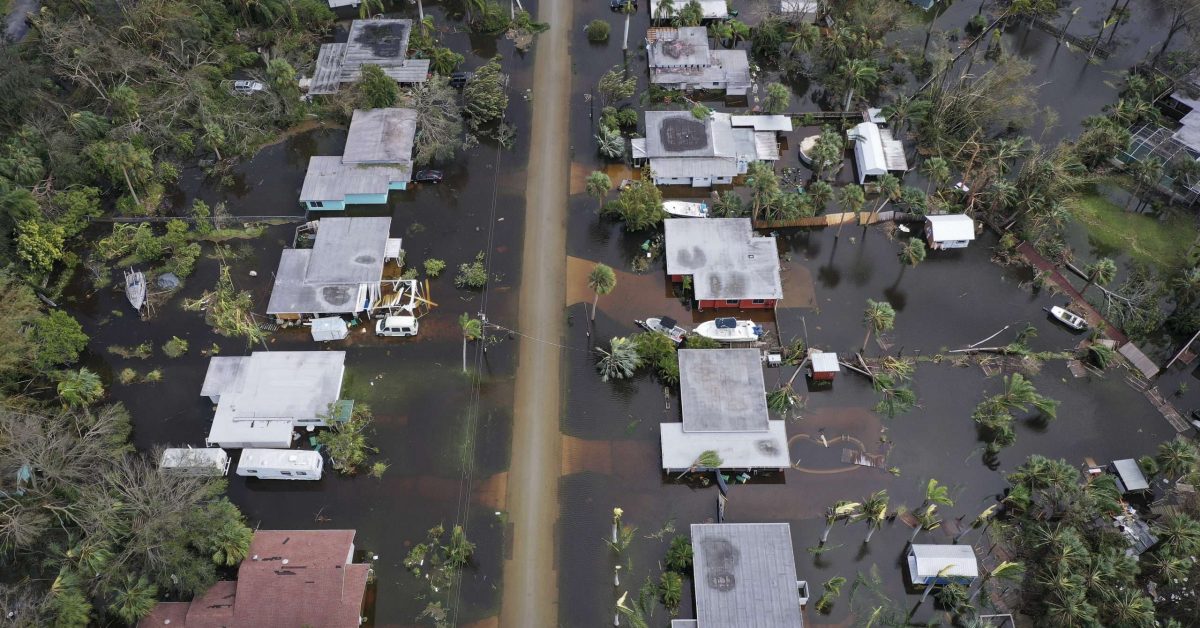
(686, 209)
(664, 325)
(1068, 318)
(135, 288)
(730, 330)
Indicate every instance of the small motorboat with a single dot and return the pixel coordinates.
(730, 330)
(664, 325)
(1067, 317)
(686, 209)
(135, 288)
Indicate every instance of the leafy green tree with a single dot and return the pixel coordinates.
(377, 90)
(640, 204)
(124, 102)
(821, 192)
(889, 191)
(222, 533)
(615, 85)
(878, 318)
(692, 14)
(71, 608)
(369, 7)
(445, 61)
(58, 339)
(346, 441)
(598, 187)
(598, 31)
(778, 99)
(937, 493)
(40, 245)
(621, 361)
(79, 388)
(610, 142)
(486, 95)
(840, 510)
(124, 160)
(72, 208)
(601, 280)
(439, 120)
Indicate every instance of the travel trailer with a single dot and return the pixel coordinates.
(280, 464)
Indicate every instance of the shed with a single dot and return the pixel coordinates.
(955, 563)
(868, 151)
(1129, 476)
(745, 576)
(825, 365)
(329, 328)
(189, 461)
(949, 231)
(729, 264)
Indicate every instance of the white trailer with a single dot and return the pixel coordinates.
(281, 464)
(188, 461)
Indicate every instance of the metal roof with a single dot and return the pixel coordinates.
(951, 227)
(679, 48)
(381, 42)
(381, 136)
(825, 362)
(745, 576)
(778, 123)
(738, 450)
(1130, 475)
(893, 151)
(722, 390)
(927, 561)
(868, 150)
(330, 179)
(766, 146)
(724, 257)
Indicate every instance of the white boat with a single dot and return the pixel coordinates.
(686, 209)
(135, 288)
(730, 330)
(1067, 317)
(665, 326)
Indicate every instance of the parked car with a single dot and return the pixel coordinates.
(617, 5)
(428, 176)
(248, 87)
(459, 80)
(397, 326)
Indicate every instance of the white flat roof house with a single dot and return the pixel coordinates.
(942, 564)
(726, 260)
(376, 160)
(684, 150)
(724, 405)
(745, 577)
(341, 274)
(261, 397)
(378, 42)
(876, 152)
(949, 231)
(680, 58)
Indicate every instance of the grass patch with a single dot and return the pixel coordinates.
(140, 352)
(1162, 244)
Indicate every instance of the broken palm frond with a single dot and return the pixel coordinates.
(227, 310)
(898, 367)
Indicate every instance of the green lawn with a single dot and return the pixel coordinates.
(1142, 237)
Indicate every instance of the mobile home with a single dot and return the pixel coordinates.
(189, 461)
(280, 464)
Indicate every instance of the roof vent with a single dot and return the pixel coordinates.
(285, 561)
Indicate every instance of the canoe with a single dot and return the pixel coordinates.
(686, 209)
(730, 330)
(1068, 318)
(665, 326)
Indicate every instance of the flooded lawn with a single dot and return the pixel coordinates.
(953, 299)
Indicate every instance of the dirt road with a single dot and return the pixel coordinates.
(530, 576)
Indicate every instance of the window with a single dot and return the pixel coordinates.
(731, 301)
(759, 301)
(316, 204)
(285, 472)
(251, 470)
(301, 473)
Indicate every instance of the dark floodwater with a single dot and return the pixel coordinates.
(447, 445)
(953, 299)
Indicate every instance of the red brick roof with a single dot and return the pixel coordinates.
(291, 578)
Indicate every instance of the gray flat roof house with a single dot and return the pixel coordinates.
(376, 42)
(724, 404)
(680, 58)
(261, 397)
(376, 160)
(725, 258)
(341, 274)
(745, 577)
(1129, 476)
(683, 150)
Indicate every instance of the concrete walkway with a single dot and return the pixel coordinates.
(530, 595)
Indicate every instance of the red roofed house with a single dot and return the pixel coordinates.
(292, 578)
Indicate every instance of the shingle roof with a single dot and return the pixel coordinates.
(724, 257)
(745, 576)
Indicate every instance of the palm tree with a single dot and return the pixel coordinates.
(1129, 607)
(913, 252)
(708, 459)
(1146, 173)
(982, 519)
(873, 511)
(620, 361)
(926, 520)
(804, 38)
(1006, 570)
(634, 614)
(905, 109)
(937, 493)
(1100, 272)
(598, 187)
(472, 329)
(889, 191)
(878, 317)
(839, 510)
(601, 280)
(368, 7)
(1187, 285)
(627, 7)
(1179, 533)
(937, 170)
(133, 599)
(821, 193)
(852, 198)
(859, 74)
(664, 10)
(1177, 457)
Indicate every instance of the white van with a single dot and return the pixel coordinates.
(188, 461)
(280, 464)
(396, 326)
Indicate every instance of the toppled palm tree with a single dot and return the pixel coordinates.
(621, 361)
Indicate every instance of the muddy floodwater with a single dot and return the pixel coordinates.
(447, 436)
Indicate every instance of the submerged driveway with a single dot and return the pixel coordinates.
(530, 595)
